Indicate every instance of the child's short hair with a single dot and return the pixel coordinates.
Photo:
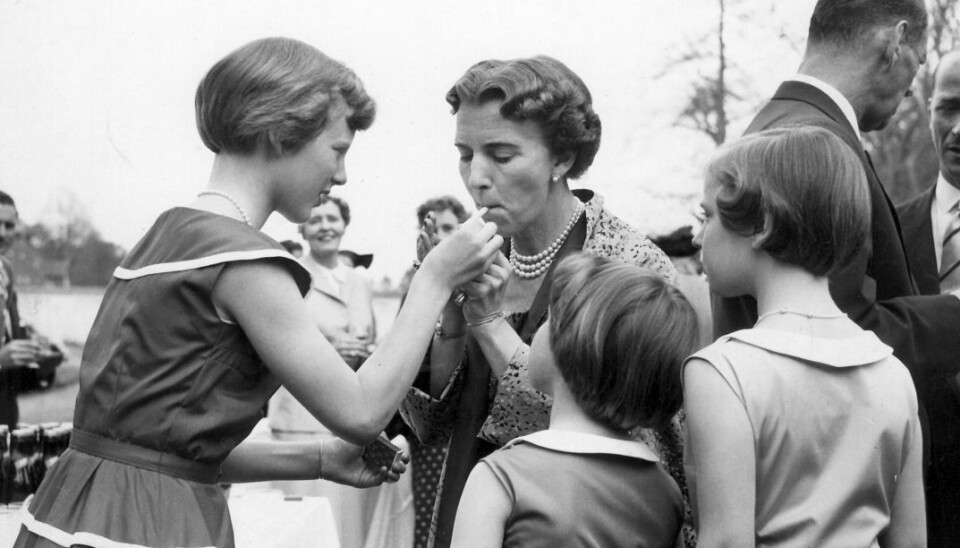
(802, 187)
(619, 334)
(276, 93)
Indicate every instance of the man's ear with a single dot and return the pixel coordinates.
(894, 40)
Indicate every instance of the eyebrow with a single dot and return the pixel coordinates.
(494, 144)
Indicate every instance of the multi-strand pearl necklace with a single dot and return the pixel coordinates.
(534, 266)
(243, 214)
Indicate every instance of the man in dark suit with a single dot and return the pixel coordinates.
(16, 349)
(929, 227)
(861, 58)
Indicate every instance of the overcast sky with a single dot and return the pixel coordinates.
(97, 98)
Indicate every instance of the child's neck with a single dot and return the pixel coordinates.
(787, 287)
(566, 415)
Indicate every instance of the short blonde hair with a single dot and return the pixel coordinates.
(619, 334)
(802, 187)
(275, 93)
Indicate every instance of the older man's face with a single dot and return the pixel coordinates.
(945, 118)
(894, 86)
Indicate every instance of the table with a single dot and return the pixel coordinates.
(268, 519)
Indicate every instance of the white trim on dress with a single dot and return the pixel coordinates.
(193, 264)
(66, 539)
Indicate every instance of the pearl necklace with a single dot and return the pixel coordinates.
(529, 267)
(806, 315)
(243, 214)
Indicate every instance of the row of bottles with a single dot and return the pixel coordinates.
(26, 453)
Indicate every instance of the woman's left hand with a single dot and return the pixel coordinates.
(342, 463)
(485, 293)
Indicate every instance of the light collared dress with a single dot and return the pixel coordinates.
(835, 425)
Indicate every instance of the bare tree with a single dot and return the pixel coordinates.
(724, 90)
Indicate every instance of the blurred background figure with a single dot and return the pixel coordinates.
(340, 302)
(295, 248)
(678, 245)
(448, 213)
(18, 350)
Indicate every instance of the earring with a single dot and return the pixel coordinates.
(555, 178)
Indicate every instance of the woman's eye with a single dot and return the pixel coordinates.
(502, 159)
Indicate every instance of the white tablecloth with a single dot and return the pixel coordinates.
(267, 519)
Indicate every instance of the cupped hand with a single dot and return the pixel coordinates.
(342, 463)
(485, 293)
(465, 254)
(19, 353)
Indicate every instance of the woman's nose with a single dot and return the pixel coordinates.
(477, 175)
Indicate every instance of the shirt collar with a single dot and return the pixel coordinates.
(945, 196)
(833, 93)
(590, 444)
(862, 349)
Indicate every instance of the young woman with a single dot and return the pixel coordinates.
(205, 318)
(610, 356)
(803, 431)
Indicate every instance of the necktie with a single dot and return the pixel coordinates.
(950, 261)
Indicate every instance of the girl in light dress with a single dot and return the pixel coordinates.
(610, 355)
(802, 431)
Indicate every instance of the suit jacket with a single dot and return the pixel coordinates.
(918, 235)
(940, 398)
(876, 290)
(11, 380)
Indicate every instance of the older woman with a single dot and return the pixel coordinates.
(205, 319)
(525, 128)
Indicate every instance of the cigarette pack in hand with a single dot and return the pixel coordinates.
(382, 453)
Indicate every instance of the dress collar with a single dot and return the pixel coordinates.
(834, 94)
(588, 444)
(861, 349)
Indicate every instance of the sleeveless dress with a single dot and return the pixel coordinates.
(167, 390)
(835, 424)
(580, 490)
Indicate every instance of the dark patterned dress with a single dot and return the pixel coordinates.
(167, 389)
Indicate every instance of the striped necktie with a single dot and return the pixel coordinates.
(950, 260)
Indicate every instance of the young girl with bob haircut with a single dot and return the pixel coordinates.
(610, 355)
(802, 431)
(205, 319)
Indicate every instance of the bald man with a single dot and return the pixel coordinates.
(931, 230)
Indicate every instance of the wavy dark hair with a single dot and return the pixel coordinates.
(543, 90)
